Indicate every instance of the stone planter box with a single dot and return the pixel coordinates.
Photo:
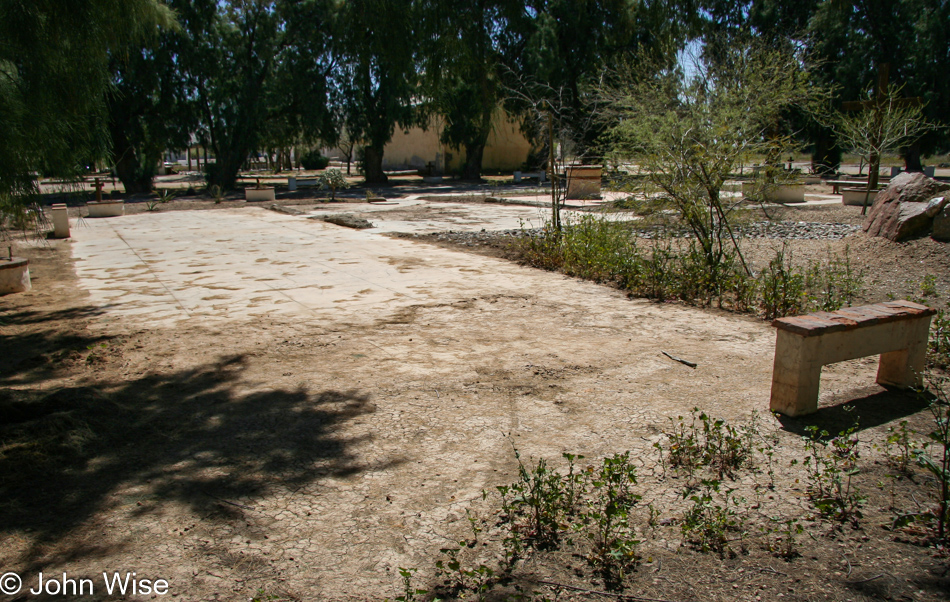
(106, 208)
(307, 182)
(786, 193)
(432, 179)
(14, 275)
(583, 182)
(265, 193)
(855, 196)
(60, 221)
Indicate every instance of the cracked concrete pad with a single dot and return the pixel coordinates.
(381, 385)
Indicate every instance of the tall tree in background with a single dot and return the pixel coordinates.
(255, 70)
(378, 74)
(562, 47)
(54, 73)
(148, 112)
(297, 97)
(228, 56)
(849, 40)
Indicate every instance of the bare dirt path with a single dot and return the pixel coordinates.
(235, 427)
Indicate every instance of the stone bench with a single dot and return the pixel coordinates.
(897, 330)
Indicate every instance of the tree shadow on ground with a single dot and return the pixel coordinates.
(44, 345)
(869, 411)
(188, 436)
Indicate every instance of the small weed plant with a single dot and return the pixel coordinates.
(783, 539)
(713, 522)
(702, 440)
(901, 447)
(409, 592)
(935, 458)
(606, 519)
(831, 466)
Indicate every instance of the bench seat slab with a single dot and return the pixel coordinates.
(897, 331)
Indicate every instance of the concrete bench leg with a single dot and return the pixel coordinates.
(904, 367)
(795, 375)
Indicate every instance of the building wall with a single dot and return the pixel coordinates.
(507, 149)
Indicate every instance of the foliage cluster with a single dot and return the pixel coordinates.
(665, 268)
(313, 160)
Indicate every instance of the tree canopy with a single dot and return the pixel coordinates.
(126, 81)
(54, 79)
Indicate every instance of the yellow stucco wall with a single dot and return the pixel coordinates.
(507, 148)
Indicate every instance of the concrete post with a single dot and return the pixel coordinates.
(60, 221)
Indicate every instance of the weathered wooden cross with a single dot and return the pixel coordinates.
(878, 106)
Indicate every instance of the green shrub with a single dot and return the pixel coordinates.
(313, 160)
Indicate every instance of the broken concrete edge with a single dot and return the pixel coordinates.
(13, 263)
(346, 220)
(287, 209)
(849, 318)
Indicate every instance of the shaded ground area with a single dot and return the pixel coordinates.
(245, 447)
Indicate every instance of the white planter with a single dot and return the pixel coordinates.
(855, 196)
(583, 182)
(308, 182)
(432, 179)
(60, 221)
(785, 193)
(265, 193)
(106, 208)
(291, 184)
(14, 275)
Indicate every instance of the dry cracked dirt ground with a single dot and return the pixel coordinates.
(307, 450)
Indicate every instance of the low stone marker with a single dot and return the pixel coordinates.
(784, 193)
(14, 275)
(60, 221)
(857, 197)
(259, 193)
(583, 182)
(897, 330)
(106, 208)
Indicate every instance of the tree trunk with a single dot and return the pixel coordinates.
(912, 158)
(472, 170)
(136, 178)
(225, 171)
(373, 165)
(827, 156)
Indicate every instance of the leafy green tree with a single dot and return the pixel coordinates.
(689, 134)
(258, 72)
(298, 94)
(54, 73)
(562, 47)
(377, 74)
(227, 55)
(148, 113)
(847, 41)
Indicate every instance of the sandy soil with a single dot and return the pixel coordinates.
(285, 457)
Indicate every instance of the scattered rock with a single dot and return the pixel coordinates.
(942, 224)
(906, 207)
(346, 220)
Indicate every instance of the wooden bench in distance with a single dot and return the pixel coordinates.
(897, 330)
